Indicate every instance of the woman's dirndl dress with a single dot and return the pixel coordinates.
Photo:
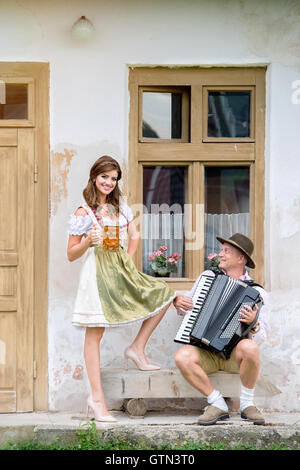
(111, 291)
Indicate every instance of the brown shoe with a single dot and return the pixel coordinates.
(211, 415)
(251, 413)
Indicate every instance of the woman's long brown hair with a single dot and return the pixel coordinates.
(103, 164)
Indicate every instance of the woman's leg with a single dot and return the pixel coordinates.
(92, 361)
(146, 330)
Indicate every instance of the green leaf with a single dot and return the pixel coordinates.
(162, 271)
(172, 268)
(153, 266)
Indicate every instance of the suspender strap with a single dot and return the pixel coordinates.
(250, 282)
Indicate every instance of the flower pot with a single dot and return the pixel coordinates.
(161, 275)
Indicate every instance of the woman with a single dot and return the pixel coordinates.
(111, 291)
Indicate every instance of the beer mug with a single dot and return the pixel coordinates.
(111, 237)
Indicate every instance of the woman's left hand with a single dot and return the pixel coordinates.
(248, 314)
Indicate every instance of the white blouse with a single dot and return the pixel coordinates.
(79, 225)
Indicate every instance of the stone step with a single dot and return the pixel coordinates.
(169, 383)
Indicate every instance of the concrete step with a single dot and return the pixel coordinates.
(155, 429)
(231, 434)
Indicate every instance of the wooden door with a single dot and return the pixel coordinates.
(16, 268)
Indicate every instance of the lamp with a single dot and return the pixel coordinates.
(83, 29)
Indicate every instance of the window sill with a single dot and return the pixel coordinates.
(180, 283)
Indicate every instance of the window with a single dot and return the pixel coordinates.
(13, 101)
(16, 102)
(227, 204)
(164, 114)
(197, 161)
(228, 114)
(161, 115)
(164, 195)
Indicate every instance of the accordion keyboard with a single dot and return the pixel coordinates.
(203, 286)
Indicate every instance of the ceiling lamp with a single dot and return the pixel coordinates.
(83, 29)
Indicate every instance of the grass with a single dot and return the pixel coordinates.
(87, 438)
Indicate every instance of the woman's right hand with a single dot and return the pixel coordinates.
(93, 235)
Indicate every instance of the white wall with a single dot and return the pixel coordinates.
(89, 106)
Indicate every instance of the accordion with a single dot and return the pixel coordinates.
(213, 323)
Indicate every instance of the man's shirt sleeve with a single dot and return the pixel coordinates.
(261, 336)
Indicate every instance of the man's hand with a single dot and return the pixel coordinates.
(183, 303)
(248, 314)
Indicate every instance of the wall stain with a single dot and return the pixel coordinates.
(272, 30)
(60, 167)
(56, 378)
(78, 373)
(67, 369)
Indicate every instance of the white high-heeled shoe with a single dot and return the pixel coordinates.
(96, 409)
(139, 362)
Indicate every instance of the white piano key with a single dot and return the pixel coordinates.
(190, 317)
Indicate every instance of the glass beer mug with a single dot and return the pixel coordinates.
(111, 237)
(97, 243)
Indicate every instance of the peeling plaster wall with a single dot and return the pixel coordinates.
(89, 107)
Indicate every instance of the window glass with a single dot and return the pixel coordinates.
(163, 221)
(161, 115)
(226, 205)
(13, 101)
(228, 114)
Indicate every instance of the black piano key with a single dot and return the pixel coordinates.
(200, 294)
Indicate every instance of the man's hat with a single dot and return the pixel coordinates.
(243, 243)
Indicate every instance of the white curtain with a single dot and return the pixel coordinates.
(168, 230)
(223, 225)
(163, 229)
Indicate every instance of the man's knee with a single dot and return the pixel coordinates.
(185, 356)
(247, 349)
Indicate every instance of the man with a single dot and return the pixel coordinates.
(196, 363)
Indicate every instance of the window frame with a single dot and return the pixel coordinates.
(30, 121)
(200, 152)
(206, 90)
(184, 117)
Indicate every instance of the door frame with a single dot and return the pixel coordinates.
(39, 73)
